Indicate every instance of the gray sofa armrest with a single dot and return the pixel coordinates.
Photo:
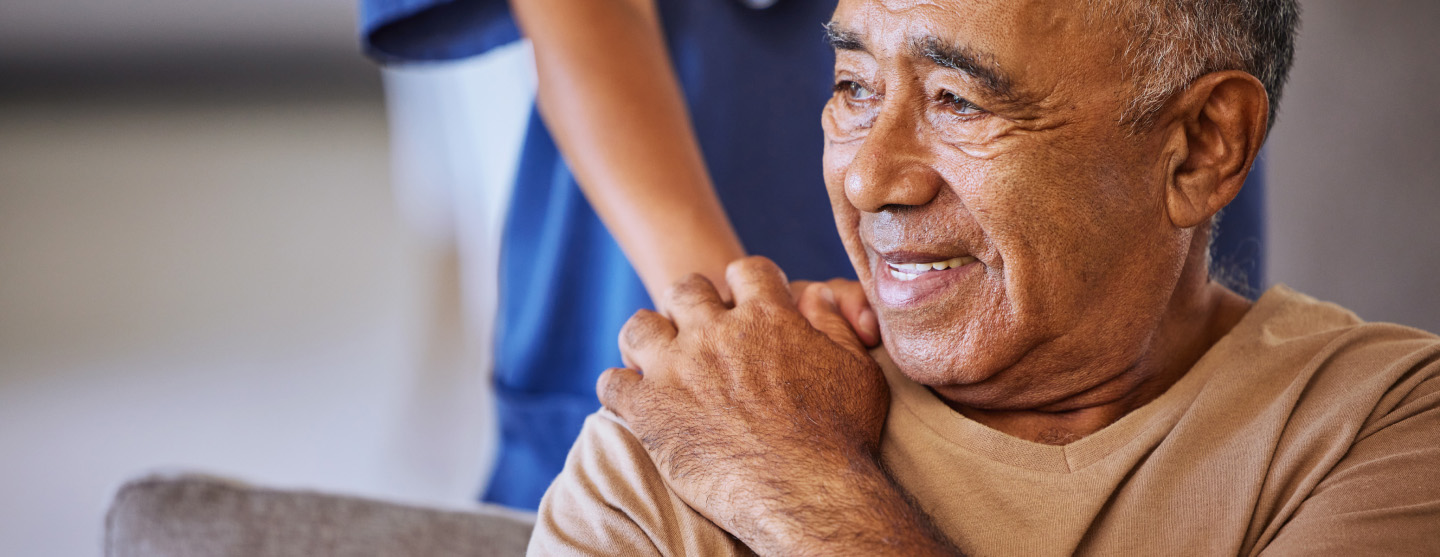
(200, 516)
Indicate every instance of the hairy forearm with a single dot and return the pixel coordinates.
(609, 96)
(858, 510)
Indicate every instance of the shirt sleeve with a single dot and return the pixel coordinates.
(611, 500)
(1383, 497)
(434, 30)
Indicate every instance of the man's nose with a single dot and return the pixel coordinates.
(893, 167)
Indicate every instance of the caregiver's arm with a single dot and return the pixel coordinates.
(610, 98)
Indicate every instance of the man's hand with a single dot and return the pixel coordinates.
(765, 417)
(849, 298)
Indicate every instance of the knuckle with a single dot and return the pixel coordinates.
(608, 386)
(759, 264)
(602, 385)
(620, 390)
(690, 288)
(640, 328)
(751, 265)
(691, 280)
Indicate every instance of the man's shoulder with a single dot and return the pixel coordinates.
(607, 450)
(1355, 411)
(1283, 313)
(607, 462)
(611, 499)
(1322, 358)
(1288, 329)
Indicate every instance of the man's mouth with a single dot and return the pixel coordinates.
(912, 271)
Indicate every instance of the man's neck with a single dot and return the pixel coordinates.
(1187, 331)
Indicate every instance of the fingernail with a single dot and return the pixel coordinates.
(871, 324)
(828, 295)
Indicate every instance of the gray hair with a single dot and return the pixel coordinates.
(1171, 43)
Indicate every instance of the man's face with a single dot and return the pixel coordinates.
(1010, 233)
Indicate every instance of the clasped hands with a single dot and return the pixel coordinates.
(752, 410)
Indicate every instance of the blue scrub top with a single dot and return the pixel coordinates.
(755, 81)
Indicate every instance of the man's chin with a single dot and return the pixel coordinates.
(924, 366)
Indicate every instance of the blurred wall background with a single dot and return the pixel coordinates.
(204, 265)
(208, 260)
(1354, 208)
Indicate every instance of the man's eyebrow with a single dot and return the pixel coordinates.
(959, 58)
(962, 59)
(843, 39)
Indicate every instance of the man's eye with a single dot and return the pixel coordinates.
(854, 90)
(959, 104)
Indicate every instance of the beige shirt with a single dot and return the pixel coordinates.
(1303, 431)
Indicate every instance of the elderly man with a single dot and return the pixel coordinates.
(1025, 189)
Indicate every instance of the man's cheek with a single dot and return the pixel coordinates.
(835, 165)
(847, 220)
(848, 223)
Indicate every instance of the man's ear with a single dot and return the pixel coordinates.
(1223, 118)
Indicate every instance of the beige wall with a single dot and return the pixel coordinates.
(225, 288)
(202, 267)
(1354, 207)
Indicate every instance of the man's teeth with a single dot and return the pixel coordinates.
(911, 271)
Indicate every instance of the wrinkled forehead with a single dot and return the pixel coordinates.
(1032, 40)
(894, 21)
